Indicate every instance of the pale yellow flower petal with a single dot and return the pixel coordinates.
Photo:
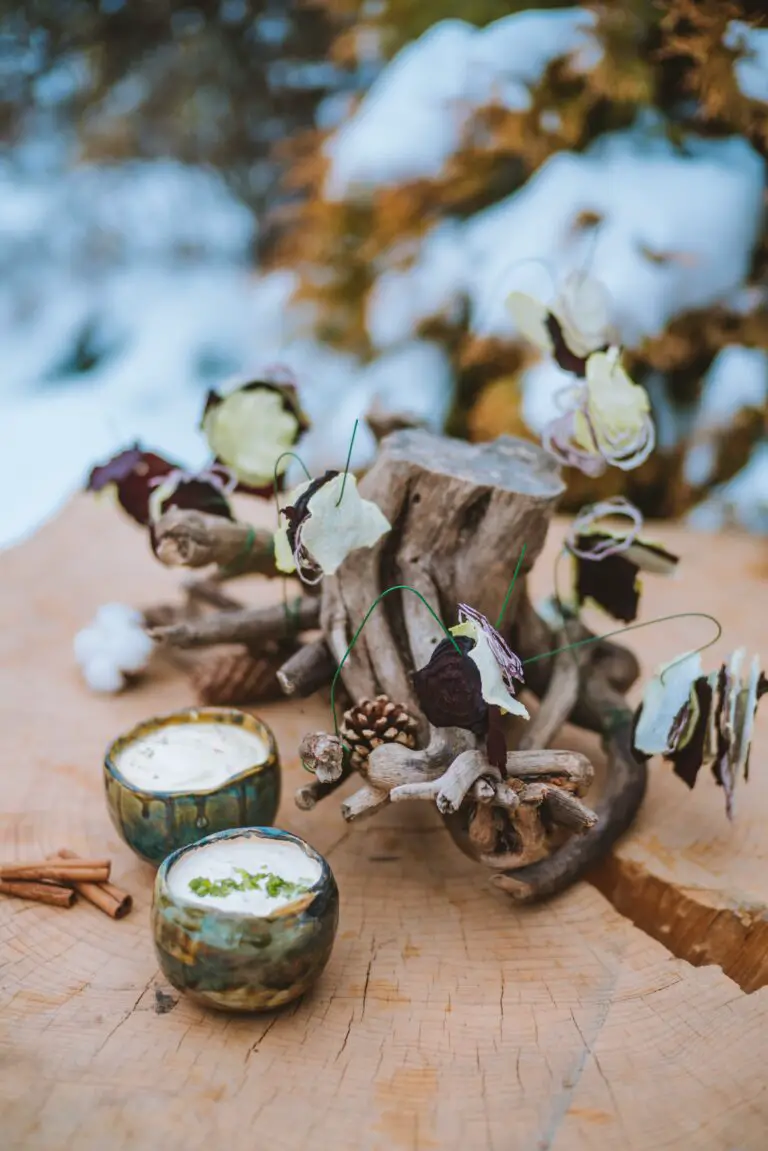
(330, 533)
(663, 701)
(492, 686)
(583, 311)
(284, 561)
(530, 318)
(248, 431)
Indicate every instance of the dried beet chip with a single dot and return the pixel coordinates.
(611, 582)
(565, 358)
(448, 688)
(723, 740)
(132, 472)
(200, 496)
(298, 512)
(286, 390)
(496, 741)
(290, 401)
(687, 760)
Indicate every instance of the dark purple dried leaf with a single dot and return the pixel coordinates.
(496, 741)
(296, 514)
(198, 495)
(448, 688)
(565, 358)
(611, 582)
(284, 385)
(131, 472)
(687, 760)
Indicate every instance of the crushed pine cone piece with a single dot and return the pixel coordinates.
(237, 677)
(372, 722)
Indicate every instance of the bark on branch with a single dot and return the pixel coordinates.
(248, 626)
(307, 670)
(194, 539)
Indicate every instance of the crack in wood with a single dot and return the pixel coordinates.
(700, 926)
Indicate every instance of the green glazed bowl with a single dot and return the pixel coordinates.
(239, 961)
(155, 823)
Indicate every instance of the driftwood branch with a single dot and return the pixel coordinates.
(194, 539)
(209, 593)
(323, 755)
(450, 790)
(392, 765)
(602, 708)
(365, 801)
(307, 670)
(247, 626)
(307, 796)
(560, 696)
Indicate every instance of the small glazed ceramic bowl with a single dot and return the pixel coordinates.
(240, 959)
(156, 822)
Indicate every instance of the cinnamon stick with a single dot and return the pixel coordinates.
(51, 893)
(108, 898)
(60, 871)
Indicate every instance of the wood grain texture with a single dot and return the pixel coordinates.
(447, 1017)
(685, 874)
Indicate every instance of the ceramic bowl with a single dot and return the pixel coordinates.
(239, 961)
(155, 823)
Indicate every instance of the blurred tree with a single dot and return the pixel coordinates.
(212, 82)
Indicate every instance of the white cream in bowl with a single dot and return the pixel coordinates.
(285, 868)
(190, 757)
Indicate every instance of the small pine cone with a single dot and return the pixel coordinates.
(373, 722)
(236, 677)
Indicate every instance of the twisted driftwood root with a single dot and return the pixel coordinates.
(460, 514)
(600, 706)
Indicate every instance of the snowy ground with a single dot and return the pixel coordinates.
(127, 291)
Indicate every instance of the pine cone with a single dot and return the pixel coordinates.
(236, 677)
(373, 722)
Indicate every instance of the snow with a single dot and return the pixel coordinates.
(751, 69)
(648, 197)
(530, 240)
(128, 289)
(435, 284)
(738, 378)
(413, 380)
(413, 116)
(742, 501)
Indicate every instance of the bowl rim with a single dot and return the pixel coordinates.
(231, 715)
(299, 904)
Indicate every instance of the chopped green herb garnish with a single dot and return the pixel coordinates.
(266, 881)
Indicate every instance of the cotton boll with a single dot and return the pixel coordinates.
(131, 648)
(88, 643)
(112, 646)
(114, 615)
(102, 675)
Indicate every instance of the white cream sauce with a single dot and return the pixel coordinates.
(189, 757)
(254, 854)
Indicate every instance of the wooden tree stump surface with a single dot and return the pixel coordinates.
(447, 1017)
